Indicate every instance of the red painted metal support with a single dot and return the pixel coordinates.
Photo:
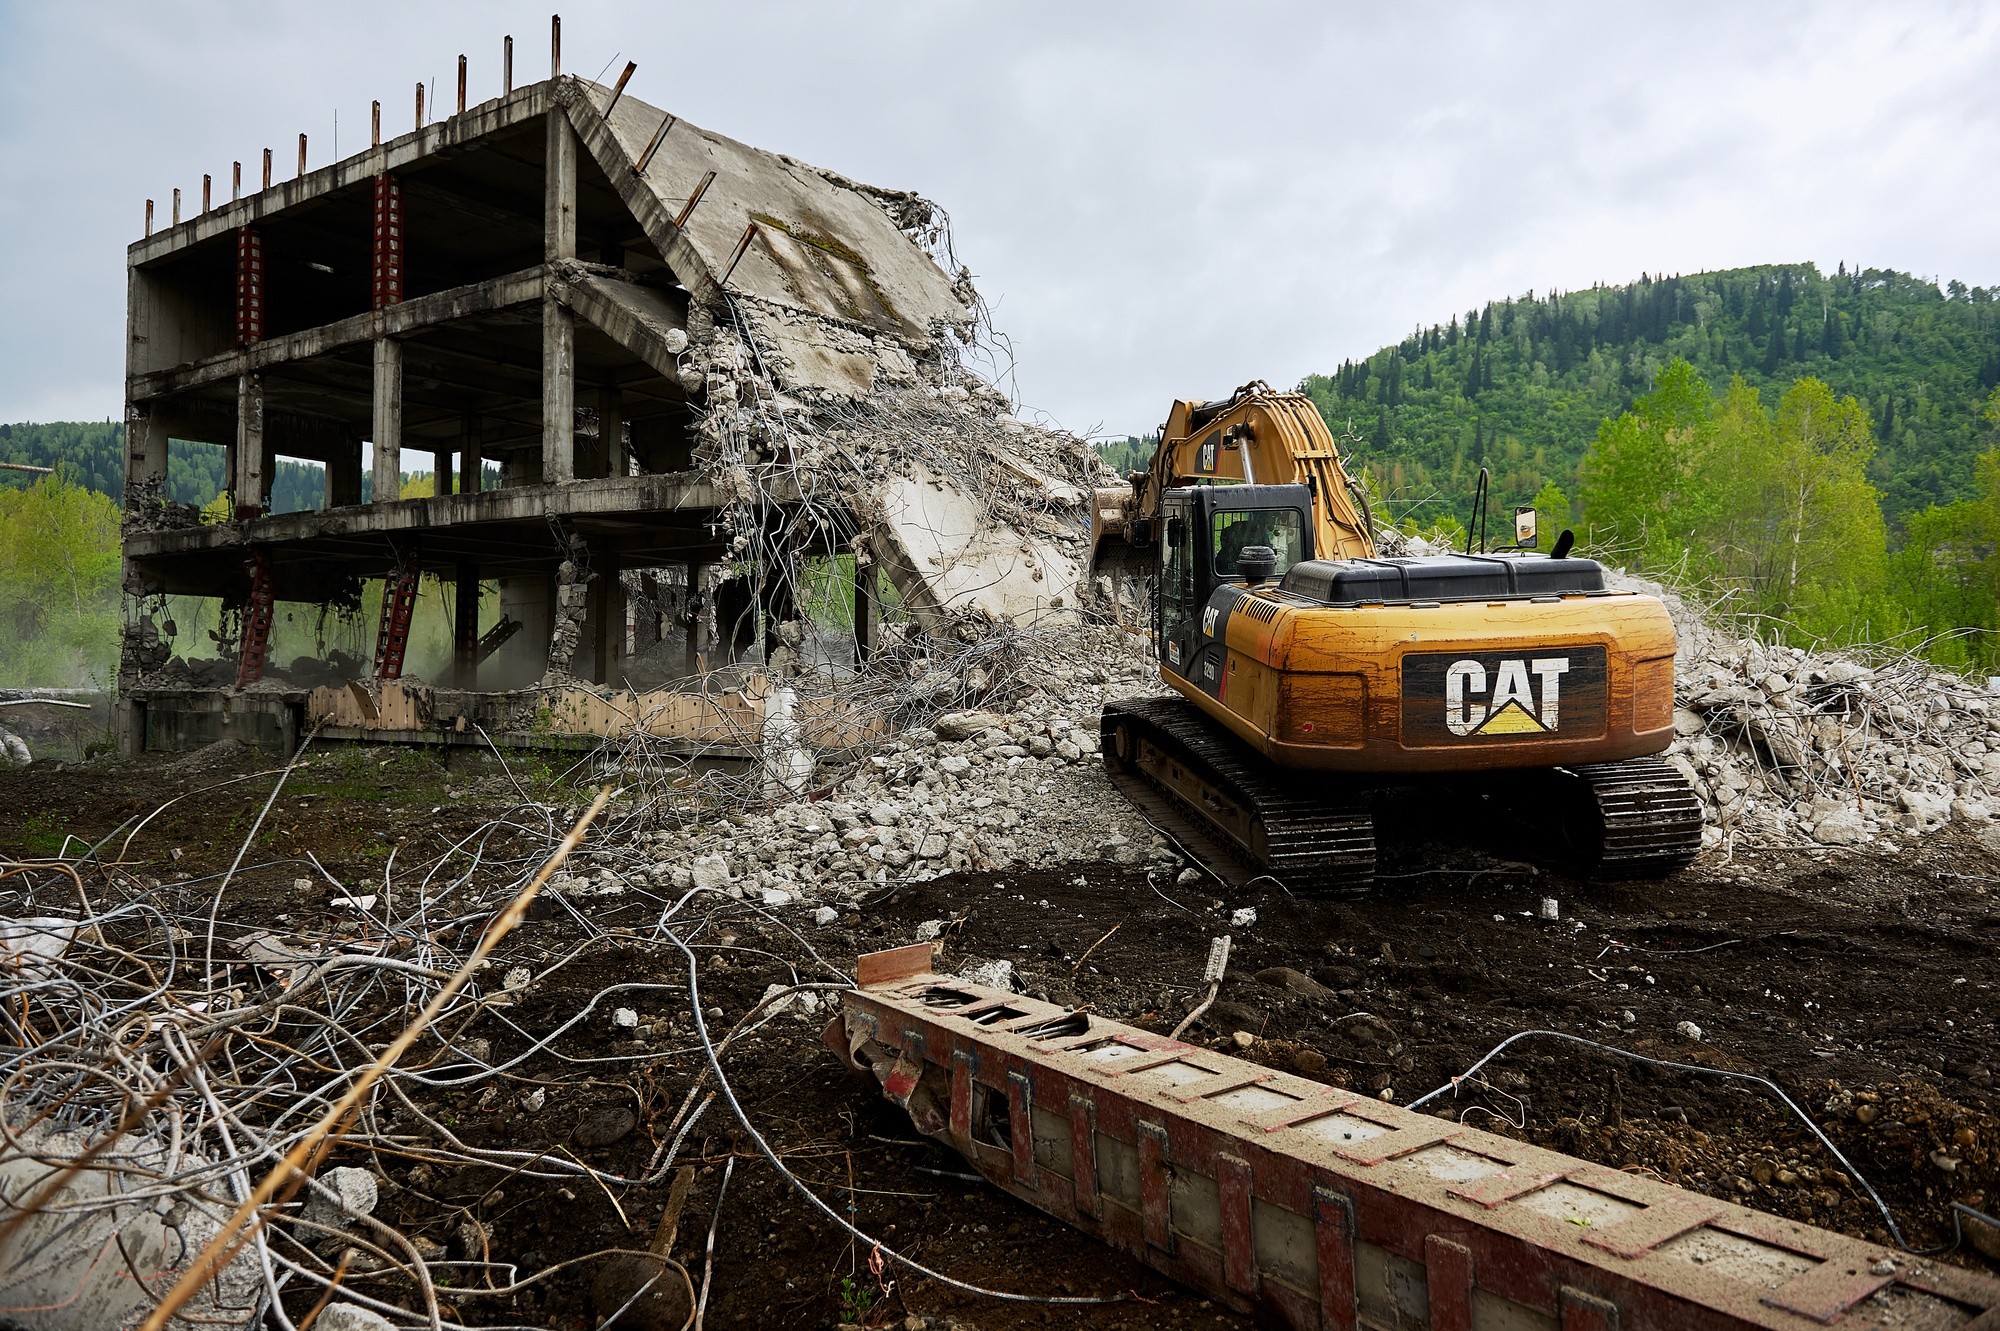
(399, 603)
(1317, 1208)
(388, 241)
(249, 286)
(255, 647)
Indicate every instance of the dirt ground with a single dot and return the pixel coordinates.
(1861, 984)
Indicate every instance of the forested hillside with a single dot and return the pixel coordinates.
(95, 453)
(1521, 386)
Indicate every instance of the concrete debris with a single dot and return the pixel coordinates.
(992, 974)
(28, 947)
(1687, 1030)
(56, 1280)
(352, 1317)
(337, 1200)
(1787, 747)
(1243, 917)
(14, 750)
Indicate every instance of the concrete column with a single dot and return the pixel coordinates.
(559, 189)
(252, 481)
(465, 628)
(558, 327)
(388, 421)
(471, 466)
(698, 645)
(867, 610)
(343, 473)
(146, 447)
(606, 619)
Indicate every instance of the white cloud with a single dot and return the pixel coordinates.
(1160, 199)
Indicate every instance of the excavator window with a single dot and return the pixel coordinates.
(1283, 529)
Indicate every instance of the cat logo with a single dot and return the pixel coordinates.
(1208, 622)
(1513, 708)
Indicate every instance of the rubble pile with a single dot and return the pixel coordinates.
(1012, 781)
(1790, 747)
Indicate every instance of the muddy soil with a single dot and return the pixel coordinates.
(1862, 985)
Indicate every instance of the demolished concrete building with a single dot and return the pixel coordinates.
(700, 368)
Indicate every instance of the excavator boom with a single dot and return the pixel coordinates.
(1255, 436)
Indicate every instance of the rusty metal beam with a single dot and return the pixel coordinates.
(1315, 1207)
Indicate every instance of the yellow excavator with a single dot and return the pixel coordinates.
(1312, 676)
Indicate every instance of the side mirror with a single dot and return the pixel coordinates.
(1524, 529)
(1176, 530)
(1140, 533)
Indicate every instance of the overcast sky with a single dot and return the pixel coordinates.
(1158, 199)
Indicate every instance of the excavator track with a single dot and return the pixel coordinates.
(1647, 822)
(1246, 817)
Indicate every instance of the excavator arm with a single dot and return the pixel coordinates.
(1257, 436)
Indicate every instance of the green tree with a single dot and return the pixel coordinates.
(58, 583)
(1552, 512)
(1648, 488)
(1817, 534)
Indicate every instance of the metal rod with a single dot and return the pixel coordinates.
(47, 471)
(374, 124)
(507, 67)
(207, 186)
(177, 205)
(659, 136)
(555, 46)
(235, 181)
(618, 90)
(149, 217)
(267, 168)
(302, 156)
(743, 245)
(687, 209)
(420, 103)
(461, 85)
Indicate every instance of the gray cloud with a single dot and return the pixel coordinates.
(1159, 199)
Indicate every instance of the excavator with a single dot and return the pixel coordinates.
(1316, 681)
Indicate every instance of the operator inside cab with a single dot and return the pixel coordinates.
(1237, 530)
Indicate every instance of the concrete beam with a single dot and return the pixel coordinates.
(387, 436)
(611, 157)
(636, 318)
(617, 495)
(443, 307)
(359, 171)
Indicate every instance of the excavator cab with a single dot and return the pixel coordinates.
(1204, 531)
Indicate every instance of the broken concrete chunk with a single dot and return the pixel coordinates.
(354, 1195)
(1842, 828)
(29, 946)
(964, 725)
(710, 872)
(351, 1317)
(992, 974)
